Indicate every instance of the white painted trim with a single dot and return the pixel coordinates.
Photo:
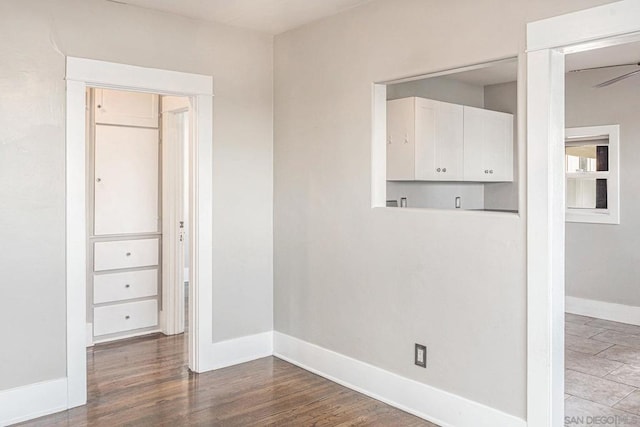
(547, 43)
(607, 21)
(173, 151)
(237, 350)
(603, 310)
(545, 234)
(612, 214)
(122, 76)
(79, 74)
(201, 234)
(379, 146)
(125, 336)
(422, 400)
(76, 243)
(32, 401)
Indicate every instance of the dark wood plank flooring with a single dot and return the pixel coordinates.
(145, 382)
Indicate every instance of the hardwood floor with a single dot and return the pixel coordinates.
(145, 382)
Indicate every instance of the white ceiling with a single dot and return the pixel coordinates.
(507, 71)
(622, 54)
(495, 73)
(270, 16)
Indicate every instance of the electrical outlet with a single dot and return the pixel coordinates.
(420, 355)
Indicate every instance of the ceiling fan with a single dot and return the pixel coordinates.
(616, 79)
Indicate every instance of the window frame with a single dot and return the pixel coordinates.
(611, 215)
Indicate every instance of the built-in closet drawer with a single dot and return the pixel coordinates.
(125, 254)
(123, 286)
(115, 318)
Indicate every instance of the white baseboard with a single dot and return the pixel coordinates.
(32, 401)
(237, 350)
(126, 336)
(603, 310)
(432, 404)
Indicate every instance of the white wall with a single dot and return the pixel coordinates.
(437, 195)
(369, 283)
(602, 260)
(441, 89)
(35, 36)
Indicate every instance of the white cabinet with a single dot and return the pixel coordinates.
(401, 140)
(112, 319)
(126, 180)
(116, 107)
(424, 140)
(124, 192)
(119, 254)
(112, 287)
(439, 141)
(488, 145)
(430, 140)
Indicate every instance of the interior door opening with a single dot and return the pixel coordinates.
(137, 209)
(602, 304)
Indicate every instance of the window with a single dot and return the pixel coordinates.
(591, 170)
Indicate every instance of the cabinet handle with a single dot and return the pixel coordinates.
(98, 179)
(128, 253)
(127, 285)
(438, 170)
(486, 171)
(390, 141)
(127, 317)
(491, 171)
(444, 169)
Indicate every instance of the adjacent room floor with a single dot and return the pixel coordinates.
(145, 382)
(602, 363)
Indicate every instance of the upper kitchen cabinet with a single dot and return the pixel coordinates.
(115, 107)
(430, 140)
(401, 144)
(424, 140)
(488, 145)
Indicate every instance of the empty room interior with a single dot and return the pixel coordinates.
(297, 213)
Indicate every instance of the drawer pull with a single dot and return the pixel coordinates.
(127, 285)
(128, 253)
(127, 317)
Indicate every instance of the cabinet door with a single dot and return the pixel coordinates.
(126, 180)
(400, 140)
(117, 107)
(488, 145)
(439, 141)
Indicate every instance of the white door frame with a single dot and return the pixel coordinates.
(80, 74)
(548, 41)
(173, 150)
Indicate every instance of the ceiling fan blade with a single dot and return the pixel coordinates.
(617, 79)
(604, 66)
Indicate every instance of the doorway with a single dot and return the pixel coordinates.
(80, 74)
(137, 183)
(548, 42)
(602, 303)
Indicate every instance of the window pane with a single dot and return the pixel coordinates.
(586, 193)
(587, 158)
(601, 194)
